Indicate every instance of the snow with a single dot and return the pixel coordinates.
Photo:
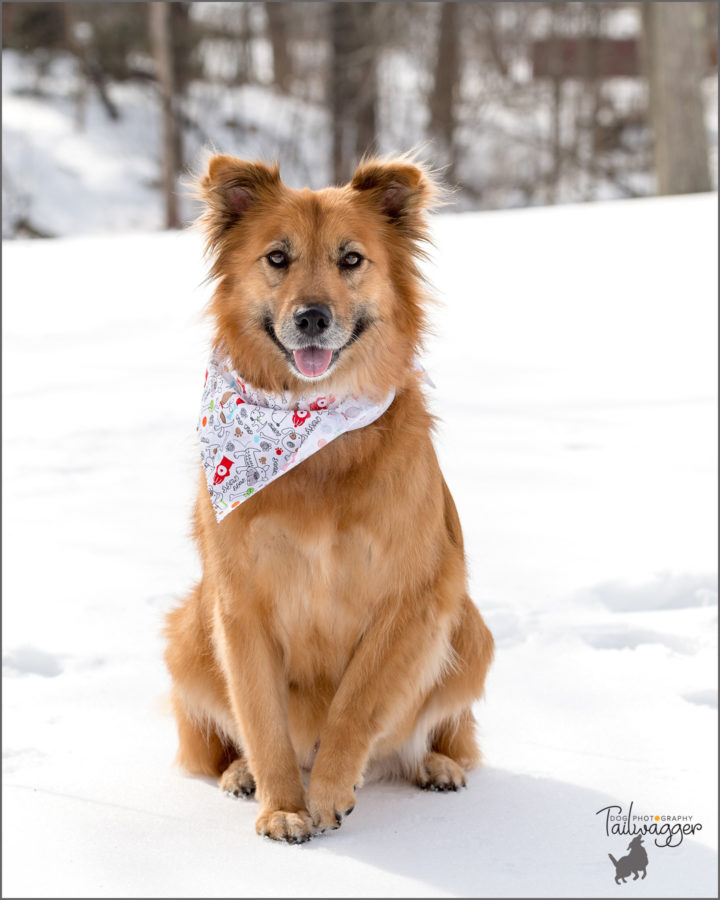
(576, 353)
(68, 180)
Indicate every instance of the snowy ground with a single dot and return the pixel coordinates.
(576, 352)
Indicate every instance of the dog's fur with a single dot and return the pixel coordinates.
(331, 628)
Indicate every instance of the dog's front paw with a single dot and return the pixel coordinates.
(329, 803)
(293, 827)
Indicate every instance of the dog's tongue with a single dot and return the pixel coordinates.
(312, 361)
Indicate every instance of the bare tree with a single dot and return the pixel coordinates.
(277, 26)
(445, 86)
(79, 34)
(161, 36)
(675, 58)
(353, 84)
(73, 34)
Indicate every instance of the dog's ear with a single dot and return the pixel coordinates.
(399, 190)
(231, 188)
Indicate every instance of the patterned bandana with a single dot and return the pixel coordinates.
(249, 438)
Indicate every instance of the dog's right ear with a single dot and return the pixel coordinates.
(231, 188)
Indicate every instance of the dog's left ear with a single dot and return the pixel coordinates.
(399, 190)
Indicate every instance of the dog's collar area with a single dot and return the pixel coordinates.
(249, 438)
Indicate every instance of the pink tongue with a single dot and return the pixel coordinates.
(312, 361)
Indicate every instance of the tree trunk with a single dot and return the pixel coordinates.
(181, 45)
(353, 84)
(277, 23)
(555, 67)
(70, 18)
(675, 58)
(163, 52)
(447, 76)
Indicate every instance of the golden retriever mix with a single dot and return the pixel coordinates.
(331, 630)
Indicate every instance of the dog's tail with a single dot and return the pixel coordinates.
(613, 860)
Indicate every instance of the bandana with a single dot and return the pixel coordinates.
(249, 438)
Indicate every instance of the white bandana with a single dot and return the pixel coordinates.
(249, 438)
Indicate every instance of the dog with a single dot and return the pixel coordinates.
(331, 630)
(636, 861)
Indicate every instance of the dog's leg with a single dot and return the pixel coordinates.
(373, 692)
(205, 747)
(378, 690)
(456, 739)
(200, 750)
(453, 751)
(453, 743)
(258, 695)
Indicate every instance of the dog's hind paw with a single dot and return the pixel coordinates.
(438, 772)
(237, 780)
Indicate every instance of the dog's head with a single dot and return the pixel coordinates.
(318, 287)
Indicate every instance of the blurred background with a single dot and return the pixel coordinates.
(574, 351)
(106, 106)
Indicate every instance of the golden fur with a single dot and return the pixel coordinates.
(331, 629)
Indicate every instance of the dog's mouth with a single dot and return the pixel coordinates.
(313, 361)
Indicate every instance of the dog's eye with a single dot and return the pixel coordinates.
(278, 259)
(351, 260)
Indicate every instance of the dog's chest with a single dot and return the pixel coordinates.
(323, 586)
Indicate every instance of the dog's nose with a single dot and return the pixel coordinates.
(313, 320)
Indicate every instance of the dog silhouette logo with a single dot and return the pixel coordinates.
(635, 862)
